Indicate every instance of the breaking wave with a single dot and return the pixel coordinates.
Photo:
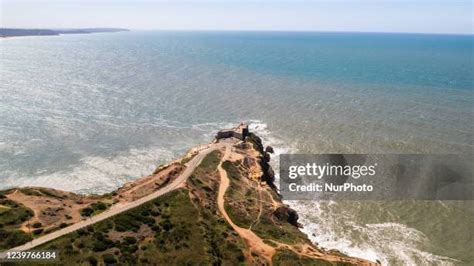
(333, 227)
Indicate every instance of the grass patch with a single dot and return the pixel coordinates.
(94, 209)
(210, 162)
(238, 216)
(30, 191)
(13, 213)
(284, 232)
(160, 232)
(4, 209)
(287, 257)
(232, 170)
(240, 203)
(12, 238)
(51, 193)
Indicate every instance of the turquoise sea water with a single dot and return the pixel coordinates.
(89, 112)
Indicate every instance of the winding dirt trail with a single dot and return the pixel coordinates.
(254, 242)
(122, 207)
(260, 207)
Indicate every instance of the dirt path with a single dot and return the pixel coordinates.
(121, 207)
(260, 207)
(254, 242)
(274, 202)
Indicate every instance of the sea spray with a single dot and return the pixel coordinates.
(328, 225)
(102, 174)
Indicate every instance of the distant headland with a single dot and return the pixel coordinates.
(15, 32)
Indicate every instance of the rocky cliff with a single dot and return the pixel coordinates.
(227, 212)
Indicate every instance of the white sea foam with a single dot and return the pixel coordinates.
(390, 243)
(94, 174)
(386, 242)
(98, 174)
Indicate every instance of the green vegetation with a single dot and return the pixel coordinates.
(12, 238)
(188, 158)
(38, 191)
(157, 232)
(287, 257)
(269, 228)
(37, 225)
(3, 209)
(38, 231)
(182, 227)
(231, 169)
(94, 208)
(30, 191)
(241, 198)
(242, 205)
(12, 215)
(210, 162)
(87, 211)
(51, 193)
(205, 176)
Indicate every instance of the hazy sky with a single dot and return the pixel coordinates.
(440, 16)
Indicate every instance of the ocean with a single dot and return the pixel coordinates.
(87, 113)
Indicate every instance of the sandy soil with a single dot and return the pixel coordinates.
(146, 185)
(254, 242)
(49, 211)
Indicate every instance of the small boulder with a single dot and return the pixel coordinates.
(287, 214)
(269, 149)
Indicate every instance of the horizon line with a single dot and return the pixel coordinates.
(243, 30)
(303, 31)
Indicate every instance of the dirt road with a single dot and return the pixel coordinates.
(122, 207)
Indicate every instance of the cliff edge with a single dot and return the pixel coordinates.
(226, 210)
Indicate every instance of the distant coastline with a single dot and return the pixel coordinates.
(14, 32)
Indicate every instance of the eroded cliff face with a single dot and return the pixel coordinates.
(283, 212)
(227, 212)
(253, 203)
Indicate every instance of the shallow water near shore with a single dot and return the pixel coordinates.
(87, 113)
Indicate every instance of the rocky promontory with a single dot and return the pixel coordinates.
(215, 205)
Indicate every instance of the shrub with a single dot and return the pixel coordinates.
(109, 259)
(38, 231)
(231, 169)
(13, 238)
(99, 206)
(37, 225)
(148, 220)
(156, 228)
(167, 225)
(126, 222)
(130, 240)
(87, 211)
(81, 232)
(99, 246)
(99, 236)
(92, 261)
